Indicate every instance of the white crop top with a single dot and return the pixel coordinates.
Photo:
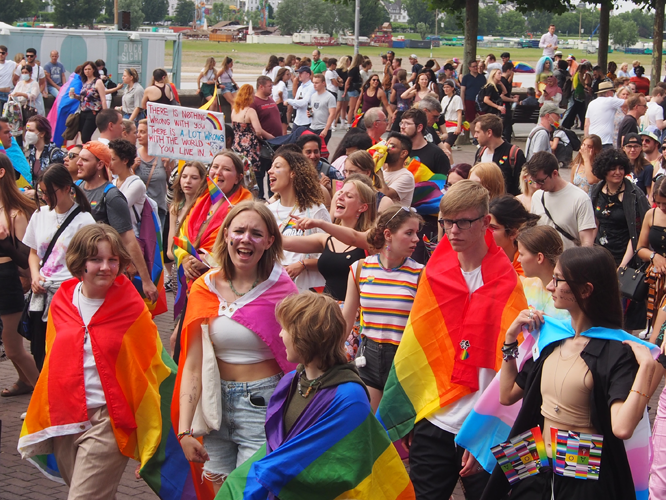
(233, 343)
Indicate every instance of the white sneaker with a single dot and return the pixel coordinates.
(333, 128)
(23, 415)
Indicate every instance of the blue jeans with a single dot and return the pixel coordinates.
(52, 90)
(3, 100)
(242, 431)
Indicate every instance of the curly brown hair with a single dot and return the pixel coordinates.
(305, 180)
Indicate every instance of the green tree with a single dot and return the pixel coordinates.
(134, 8)
(155, 10)
(488, 20)
(184, 15)
(623, 32)
(420, 12)
(12, 10)
(454, 22)
(75, 13)
(287, 21)
(538, 21)
(373, 15)
(107, 17)
(512, 23)
(422, 29)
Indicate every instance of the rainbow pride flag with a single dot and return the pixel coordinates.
(64, 106)
(150, 241)
(428, 187)
(335, 450)
(137, 376)
(215, 192)
(449, 336)
(490, 422)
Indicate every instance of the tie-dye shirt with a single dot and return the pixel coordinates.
(540, 299)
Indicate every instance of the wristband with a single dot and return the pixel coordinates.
(508, 347)
(509, 354)
(305, 268)
(640, 393)
(181, 435)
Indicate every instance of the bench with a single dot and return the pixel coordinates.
(525, 114)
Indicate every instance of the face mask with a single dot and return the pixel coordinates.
(556, 124)
(31, 137)
(25, 77)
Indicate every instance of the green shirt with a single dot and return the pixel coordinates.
(318, 67)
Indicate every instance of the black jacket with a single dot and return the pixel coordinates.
(502, 158)
(634, 203)
(613, 368)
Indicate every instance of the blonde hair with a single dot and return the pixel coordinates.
(465, 195)
(491, 78)
(367, 195)
(84, 246)
(317, 328)
(491, 178)
(272, 255)
(363, 160)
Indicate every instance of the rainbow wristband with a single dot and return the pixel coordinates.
(181, 435)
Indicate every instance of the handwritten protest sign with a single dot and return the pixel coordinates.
(184, 133)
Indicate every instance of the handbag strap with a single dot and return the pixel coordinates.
(562, 231)
(150, 175)
(60, 230)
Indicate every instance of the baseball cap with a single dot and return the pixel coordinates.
(631, 138)
(304, 69)
(550, 108)
(652, 132)
(413, 56)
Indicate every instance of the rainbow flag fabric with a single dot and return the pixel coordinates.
(428, 187)
(335, 450)
(449, 336)
(497, 420)
(63, 107)
(137, 376)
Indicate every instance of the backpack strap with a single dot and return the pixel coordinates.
(513, 156)
(480, 153)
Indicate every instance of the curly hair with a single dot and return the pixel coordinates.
(607, 160)
(244, 97)
(305, 181)
(392, 219)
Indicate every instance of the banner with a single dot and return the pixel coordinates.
(184, 133)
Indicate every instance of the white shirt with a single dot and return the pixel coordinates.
(277, 88)
(87, 309)
(654, 112)
(300, 103)
(601, 113)
(331, 75)
(41, 229)
(6, 74)
(546, 39)
(308, 278)
(451, 109)
(37, 72)
(571, 208)
(134, 191)
(402, 182)
(451, 417)
(487, 156)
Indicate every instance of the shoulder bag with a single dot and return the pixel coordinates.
(26, 317)
(564, 233)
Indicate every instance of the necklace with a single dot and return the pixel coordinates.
(238, 294)
(559, 397)
(78, 300)
(60, 218)
(314, 384)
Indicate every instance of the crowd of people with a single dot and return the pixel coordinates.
(338, 314)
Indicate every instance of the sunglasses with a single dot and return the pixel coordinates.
(30, 55)
(71, 156)
(3, 53)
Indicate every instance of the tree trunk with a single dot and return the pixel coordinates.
(657, 43)
(471, 30)
(604, 29)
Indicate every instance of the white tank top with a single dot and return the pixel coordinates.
(235, 344)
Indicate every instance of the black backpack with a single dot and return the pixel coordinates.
(574, 141)
(481, 107)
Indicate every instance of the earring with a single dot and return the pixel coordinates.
(388, 247)
(85, 270)
(231, 243)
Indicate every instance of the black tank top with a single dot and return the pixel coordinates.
(334, 267)
(657, 237)
(164, 99)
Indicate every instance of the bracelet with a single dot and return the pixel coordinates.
(639, 392)
(303, 264)
(181, 435)
(509, 354)
(508, 347)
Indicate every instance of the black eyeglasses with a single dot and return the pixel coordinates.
(540, 182)
(558, 280)
(463, 224)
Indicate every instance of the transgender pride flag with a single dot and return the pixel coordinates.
(496, 420)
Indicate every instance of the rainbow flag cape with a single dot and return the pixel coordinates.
(335, 450)
(490, 422)
(449, 336)
(465, 124)
(428, 187)
(20, 163)
(63, 107)
(150, 241)
(137, 376)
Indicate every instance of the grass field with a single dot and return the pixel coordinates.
(252, 57)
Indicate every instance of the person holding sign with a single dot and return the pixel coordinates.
(589, 377)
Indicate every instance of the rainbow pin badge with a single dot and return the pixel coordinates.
(464, 345)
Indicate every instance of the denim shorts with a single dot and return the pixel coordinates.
(378, 361)
(353, 93)
(226, 87)
(242, 431)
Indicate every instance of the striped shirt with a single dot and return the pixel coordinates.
(387, 296)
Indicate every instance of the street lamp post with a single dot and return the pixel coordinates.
(357, 20)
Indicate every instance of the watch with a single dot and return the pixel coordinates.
(652, 256)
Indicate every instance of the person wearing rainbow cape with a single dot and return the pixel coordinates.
(587, 381)
(322, 440)
(104, 393)
(467, 297)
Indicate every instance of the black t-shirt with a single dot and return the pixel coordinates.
(493, 93)
(417, 68)
(355, 80)
(627, 126)
(431, 136)
(507, 86)
(433, 158)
